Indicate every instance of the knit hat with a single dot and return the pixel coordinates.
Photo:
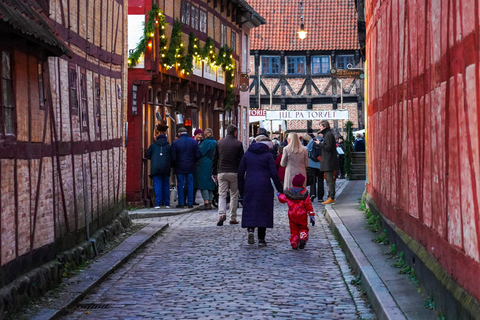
(182, 129)
(298, 180)
(197, 132)
(162, 127)
(306, 137)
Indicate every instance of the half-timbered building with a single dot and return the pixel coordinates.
(61, 126)
(203, 96)
(293, 74)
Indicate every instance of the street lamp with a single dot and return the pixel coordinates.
(302, 34)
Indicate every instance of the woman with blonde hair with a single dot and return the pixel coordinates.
(295, 160)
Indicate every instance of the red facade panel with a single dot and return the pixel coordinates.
(423, 126)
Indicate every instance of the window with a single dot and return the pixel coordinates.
(73, 89)
(41, 92)
(223, 35)
(321, 65)
(6, 93)
(295, 65)
(194, 22)
(83, 102)
(345, 62)
(97, 108)
(186, 13)
(233, 41)
(203, 21)
(270, 65)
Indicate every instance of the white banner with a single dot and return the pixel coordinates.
(307, 115)
(135, 32)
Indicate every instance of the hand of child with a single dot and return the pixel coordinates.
(312, 220)
(278, 193)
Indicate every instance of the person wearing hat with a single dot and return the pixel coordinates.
(187, 153)
(161, 158)
(256, 169)
(299, 208)
(198, 135)
(203, 172)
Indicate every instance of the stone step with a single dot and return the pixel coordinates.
(358, 177)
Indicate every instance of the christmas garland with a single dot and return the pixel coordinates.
(174, 55)
(155, 19)
(225, 60)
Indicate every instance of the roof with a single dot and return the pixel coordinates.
(25, 17)
(331, 25)
(251, 15)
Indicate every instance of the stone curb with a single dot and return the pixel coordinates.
(156, 214)
(382, 301)
(100, 269)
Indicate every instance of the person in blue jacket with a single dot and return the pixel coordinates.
(187, 153)
(162, 157)
(203, 173)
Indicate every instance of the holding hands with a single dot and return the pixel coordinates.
(312, 220)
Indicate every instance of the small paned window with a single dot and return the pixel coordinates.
(345, 61)
(270, 65)
(223, 35)
(7, 108)
(295, 65)
(41, 92)
(233, 41)
(83, 102)
(194, 22)
(134, 99)
(97, 109)
(203, 21)
(321, 65)
(186, 13)
(73, 89)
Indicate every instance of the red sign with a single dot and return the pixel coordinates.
(188, 122)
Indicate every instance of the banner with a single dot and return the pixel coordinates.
(307, 115)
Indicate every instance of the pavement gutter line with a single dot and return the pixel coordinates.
(55, 313)
(156, 214)
(382, 301)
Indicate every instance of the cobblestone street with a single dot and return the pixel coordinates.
(196, 270)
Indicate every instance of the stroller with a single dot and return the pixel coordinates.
(216, 197)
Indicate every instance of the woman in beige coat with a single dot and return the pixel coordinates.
(295, 160)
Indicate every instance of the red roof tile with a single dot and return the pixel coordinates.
(331, 25)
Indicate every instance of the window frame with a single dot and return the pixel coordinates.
(295, 65)
(223, 34)
(186, 14)
(73, 89)
(202, 22)
(321, 57)
(270, 65)
(83, 102)
(41, 86)
(11, 92)
(233, 41)
(194, 21)
(344, 61)
(98, 111)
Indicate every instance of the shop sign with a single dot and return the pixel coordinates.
(307, 115)
(347, 73)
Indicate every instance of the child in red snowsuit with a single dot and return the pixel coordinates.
(299, 208)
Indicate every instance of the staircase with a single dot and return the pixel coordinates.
(359, 169)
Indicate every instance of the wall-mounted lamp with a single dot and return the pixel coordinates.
(302, 34)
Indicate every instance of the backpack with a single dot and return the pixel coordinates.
(316, 153)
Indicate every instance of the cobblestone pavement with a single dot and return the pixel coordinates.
(196, 270)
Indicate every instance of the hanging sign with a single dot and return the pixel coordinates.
(307, 115)
(347, 73)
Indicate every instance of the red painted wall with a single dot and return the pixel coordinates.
(423, 125)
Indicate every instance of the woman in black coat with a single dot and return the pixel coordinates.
(254, 173)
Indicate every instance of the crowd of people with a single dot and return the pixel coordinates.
(200, 163)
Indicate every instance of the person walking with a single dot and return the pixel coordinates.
(341, 157)
(329, 162)
(162, 158)
(280, 169)
(254, 174)
(226, 159)
(203, 180)
(299, 208)
(187, 154)
(295, 159)
(359, 143)
(314, 153)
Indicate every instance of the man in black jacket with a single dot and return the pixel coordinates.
(226, 160)
(329, 158)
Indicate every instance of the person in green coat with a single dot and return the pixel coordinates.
(203, 171)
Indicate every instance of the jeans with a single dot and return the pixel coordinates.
(228, 180)
(161, 184)
(183, 179)
(207, 195)
(317, 186)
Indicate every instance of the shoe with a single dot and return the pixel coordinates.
(312, 198)
(220, 221)
(157, 207)
(196, 204)
(261, 242)
(294, 246)
(251, 238)
(167, 207)
(208, 206)
(233, 222)
(329, 201)
(190, 206)
(180, 206)
(301, 245)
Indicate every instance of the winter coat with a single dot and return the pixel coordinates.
(311, 163)
(280, 169)
(161, 155)
(329, 152)
(203, 172)
(299, 204)
(228, 153)
(187, 154)
(294, 163)
(359, 145)
(254, 174)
